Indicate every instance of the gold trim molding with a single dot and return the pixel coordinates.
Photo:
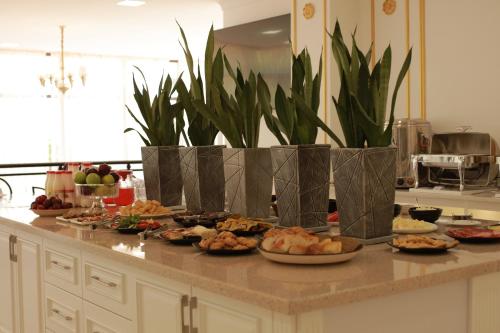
(308, 11)
(408, 75)
(423, 70)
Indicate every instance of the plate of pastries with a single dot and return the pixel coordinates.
(146, 209)
(242, 226)
(226, 243)
(193, 218)
(187, 236)
(422, 244)
(298, 246)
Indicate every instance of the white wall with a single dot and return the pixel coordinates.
(454, 71)
(463, 51)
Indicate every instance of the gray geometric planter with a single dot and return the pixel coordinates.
(301, 179)
(203, 177)
(162, 174)
(249, 181)
(365, 189)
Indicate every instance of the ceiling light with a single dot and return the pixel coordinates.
(8, 45)
(272, 32)
(131, 3)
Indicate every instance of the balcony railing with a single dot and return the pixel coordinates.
(59, 165)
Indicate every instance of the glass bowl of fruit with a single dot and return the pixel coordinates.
(94, 184)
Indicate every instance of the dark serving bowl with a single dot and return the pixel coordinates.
(429, 215)
(397, 210)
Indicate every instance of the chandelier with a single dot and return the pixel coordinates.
(61, 80)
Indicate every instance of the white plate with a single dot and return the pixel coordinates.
(309, 259)
(75, 221)
(50, 212)
(458, 223)
(432, 228)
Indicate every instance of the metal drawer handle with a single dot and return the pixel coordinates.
(57, 312)
(184, 303)
(193, 304)
(57, 263)
(106, 283)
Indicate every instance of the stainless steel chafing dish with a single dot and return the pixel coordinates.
(463, 159)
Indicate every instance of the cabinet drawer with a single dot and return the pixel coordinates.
(62, 268)
(107, 287)
(98, 320)
(63, 311)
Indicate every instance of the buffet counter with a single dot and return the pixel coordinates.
(249, 291)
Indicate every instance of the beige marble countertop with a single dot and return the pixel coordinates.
(376, 272)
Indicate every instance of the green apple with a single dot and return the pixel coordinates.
(80, 177)
(108, 179)
(101, 191)
(93, 178)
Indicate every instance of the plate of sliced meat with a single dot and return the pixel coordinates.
(475, 235)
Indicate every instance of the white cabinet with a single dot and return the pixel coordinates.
(29, 285)
(63, 311)
(6, 284)
(162, 307)
(108, 285)
(213, 313)
(20, 283)
(62, 267)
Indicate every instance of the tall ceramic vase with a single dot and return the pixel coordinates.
(162, 174)
(249, 181)
(203, 177)
(364, 182)
(301, 178)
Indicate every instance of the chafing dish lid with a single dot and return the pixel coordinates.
(405, 122)
(463, 143)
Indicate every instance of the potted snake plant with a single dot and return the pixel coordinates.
(365, 171)
(202, 163)
(247, 168)
(301, 168)
(162, 125)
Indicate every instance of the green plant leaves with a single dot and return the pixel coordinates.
(161, 120)
(296, 121)
(362, 102)
(201, 130)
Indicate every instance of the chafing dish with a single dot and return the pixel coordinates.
(463, 159)
(411, 136)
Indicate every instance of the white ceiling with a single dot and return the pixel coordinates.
(102, 27)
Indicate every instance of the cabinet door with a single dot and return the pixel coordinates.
(217, 314)
(160, 309)
(6, 285)
(96, 319)
(29, 284)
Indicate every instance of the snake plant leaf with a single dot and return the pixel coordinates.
(283, 111)
(146, 142)
(264, 97)
(368, 55)
(229, 69)
(313, 118)
(401, 75)
(209, 61)
(383, 88)
(190, 63)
